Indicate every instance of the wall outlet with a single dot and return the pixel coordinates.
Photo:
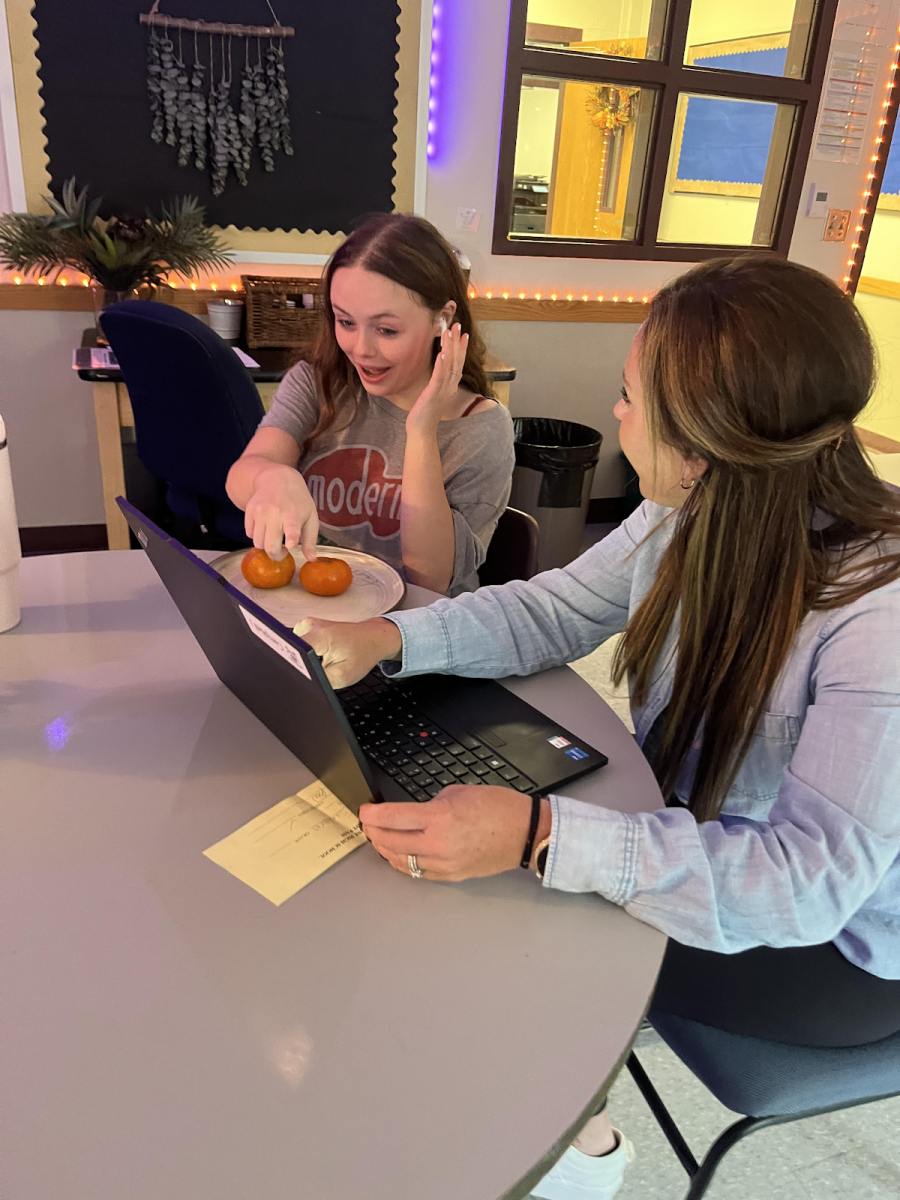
(837, 226)
(468, 219)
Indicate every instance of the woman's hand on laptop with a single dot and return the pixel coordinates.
(466, 831)
(350, 651)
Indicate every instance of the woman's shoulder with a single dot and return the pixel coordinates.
(295, 405)
(300, 379)
(477, 412)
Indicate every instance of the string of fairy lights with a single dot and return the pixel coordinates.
(474, 293)
(865, 215)
(884, 131)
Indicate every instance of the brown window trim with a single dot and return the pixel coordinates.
(672, 77)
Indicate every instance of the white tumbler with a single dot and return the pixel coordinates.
(10, 546)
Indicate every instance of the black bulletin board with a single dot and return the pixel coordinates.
(341, 75)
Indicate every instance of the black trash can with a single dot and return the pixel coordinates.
(555, 463)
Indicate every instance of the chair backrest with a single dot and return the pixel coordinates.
(195, 405)
(513, 552)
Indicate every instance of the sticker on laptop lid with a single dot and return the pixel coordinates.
(577, 753)
(142, 538)
(278, 644)
(559, 742)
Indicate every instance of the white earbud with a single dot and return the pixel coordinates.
(443, 324)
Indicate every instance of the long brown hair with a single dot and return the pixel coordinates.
(759, 366)
(411, 252)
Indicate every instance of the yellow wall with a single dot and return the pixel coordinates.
(722, 220)
(715, 21)
(883, 250)
(627, 18)
(883, 317)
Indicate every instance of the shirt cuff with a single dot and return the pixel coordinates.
(592, 849)
(426, 643)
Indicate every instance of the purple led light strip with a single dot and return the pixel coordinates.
(434, 78)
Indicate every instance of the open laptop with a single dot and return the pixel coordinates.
(380, 739)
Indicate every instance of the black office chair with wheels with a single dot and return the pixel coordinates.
(195, 410)
(513, 552)
(769, 1083)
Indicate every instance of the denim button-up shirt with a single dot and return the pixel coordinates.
(806, 848)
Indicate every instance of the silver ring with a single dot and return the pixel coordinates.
(413, 866)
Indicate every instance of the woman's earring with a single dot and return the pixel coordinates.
(687, 486)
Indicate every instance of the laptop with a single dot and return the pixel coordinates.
(381, 739)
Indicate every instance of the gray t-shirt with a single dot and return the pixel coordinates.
(355, 475)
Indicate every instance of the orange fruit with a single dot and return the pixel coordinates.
(264, 572)
(326, 576)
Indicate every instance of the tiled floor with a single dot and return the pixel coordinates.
(851, 1155)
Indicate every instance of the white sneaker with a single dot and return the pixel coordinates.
(580, 1176)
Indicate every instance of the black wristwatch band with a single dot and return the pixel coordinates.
(532, 830)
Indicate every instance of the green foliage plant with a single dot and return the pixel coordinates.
(119, 253)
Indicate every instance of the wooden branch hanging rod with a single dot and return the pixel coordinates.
(272, 31)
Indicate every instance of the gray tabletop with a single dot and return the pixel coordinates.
(167, 1034)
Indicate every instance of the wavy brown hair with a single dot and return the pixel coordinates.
(760, 366)
(411, 252)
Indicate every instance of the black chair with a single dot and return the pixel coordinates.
(513, 552)
(768, 1082)
(195, 410)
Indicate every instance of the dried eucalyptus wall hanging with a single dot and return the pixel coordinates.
(191, 103)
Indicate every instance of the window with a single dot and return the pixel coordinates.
(657, 128)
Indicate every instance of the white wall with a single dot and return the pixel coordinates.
(538, 110)
(49, 417)
(569, 369)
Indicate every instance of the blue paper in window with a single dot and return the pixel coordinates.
(727, 141)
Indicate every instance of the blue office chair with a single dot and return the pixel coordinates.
(195, 410)
(770, 1083)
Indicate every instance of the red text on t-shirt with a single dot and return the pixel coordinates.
(350, 487)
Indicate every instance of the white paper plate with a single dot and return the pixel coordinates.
(376, 589)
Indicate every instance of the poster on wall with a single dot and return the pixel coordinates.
(292, 132)
(723, 145)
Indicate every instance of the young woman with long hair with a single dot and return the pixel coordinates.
(758, 588)
(385, 435)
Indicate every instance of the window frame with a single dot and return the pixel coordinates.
(670, 76)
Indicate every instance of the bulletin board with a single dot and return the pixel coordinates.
(351, 71)
(723, 145)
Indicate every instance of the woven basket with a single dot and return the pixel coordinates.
(276, 314)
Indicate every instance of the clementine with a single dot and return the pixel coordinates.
(264, 572)
(326, 576)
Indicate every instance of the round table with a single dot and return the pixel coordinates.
(168, 1033)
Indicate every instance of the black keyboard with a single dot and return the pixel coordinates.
(420, 756)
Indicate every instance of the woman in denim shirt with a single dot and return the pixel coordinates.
(758, 588)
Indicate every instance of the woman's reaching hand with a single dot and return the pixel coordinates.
(465, 832)
(280, 513)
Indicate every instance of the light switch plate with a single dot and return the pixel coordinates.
(837, 226)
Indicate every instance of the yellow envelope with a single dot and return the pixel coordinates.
(285, 848)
